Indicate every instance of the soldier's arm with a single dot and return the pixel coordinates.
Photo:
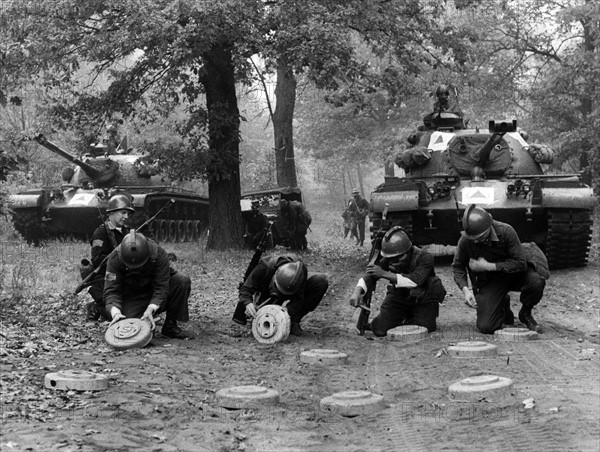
(422, 271)
(252, 284)
(460, 262)
(113, 284)
(516, 261)
(100, 246)
(160, 281)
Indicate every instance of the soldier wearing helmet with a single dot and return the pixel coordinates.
(276, 280)
(256, 225)
(414, 293)
(139, 283)
(491, 253)
(105, 239)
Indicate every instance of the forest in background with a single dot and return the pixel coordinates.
(239, 95)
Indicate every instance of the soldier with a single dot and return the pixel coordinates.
(256, 225)
(105, 239)
(360, 209)
(415, 292)
(492, 255)
(139, 283)
(276, 280)
(349, 222)
(296, 220)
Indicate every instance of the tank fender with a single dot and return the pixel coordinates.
(399, 200)
(138, 200)
(23, 200)
(571, 198)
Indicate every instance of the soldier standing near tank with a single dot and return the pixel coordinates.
(414, 293)
(350, 222)
(105, 239)
(140, 283)
(256, 225)
(491, 253)
(359, 207)
(295, 220)
(276, 280)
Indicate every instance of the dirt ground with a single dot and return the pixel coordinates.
(162, 397)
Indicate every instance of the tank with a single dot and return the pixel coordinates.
(77, 207)
(449, 166)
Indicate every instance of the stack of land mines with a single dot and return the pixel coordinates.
(350, 403)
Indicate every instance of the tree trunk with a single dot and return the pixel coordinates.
(285, 94)
(225, 220)
(361, 183)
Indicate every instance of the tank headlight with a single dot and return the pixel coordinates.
(510, 189)
(431, 191)
(526, 188)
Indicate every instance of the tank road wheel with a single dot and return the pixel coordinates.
(197, 230)
(161, 230)
(181, 231)
(171, 230)
(569, 237)
(189, 230)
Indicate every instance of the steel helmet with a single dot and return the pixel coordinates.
(119, 202)
(395, 242)
(289, 278)
(135, 250)
(476, 222)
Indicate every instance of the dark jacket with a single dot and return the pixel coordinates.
(420, 270)
(148, 284)
(506, 252)
(103, 241)
(259, 282)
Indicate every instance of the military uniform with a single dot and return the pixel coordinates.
(255, 228)
(411, 306)
(260, 284)
(131, 291)
(105, 239)
(359, 207)
(505, 250)
(296, 220)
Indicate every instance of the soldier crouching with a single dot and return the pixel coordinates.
(415, 292)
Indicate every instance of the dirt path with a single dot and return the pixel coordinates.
(162, 398)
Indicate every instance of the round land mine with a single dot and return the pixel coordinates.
(237, 397)
(407, 333)
(515, 335)
(490, 387)
(352, 403)
(323, 356)
(75, 380)
(472, 349)
(129, 333)
(271, 324)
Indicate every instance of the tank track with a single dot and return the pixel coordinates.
(569, 238)
(28, 225)
(177, 224)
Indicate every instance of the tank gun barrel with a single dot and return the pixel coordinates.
(497, 130)
(94, 173)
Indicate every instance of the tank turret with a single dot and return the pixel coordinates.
(449, 166)
(76, 208)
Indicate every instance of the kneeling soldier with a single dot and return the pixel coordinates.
(415, 292)
(276, 280)
(140, 283)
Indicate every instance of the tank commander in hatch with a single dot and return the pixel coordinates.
(414, 293)
(140, 283)
(491, 253)
(106, 238)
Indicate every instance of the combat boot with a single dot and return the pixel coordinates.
(239, 316)
(526, 317)
(295, 329)
(170, 329)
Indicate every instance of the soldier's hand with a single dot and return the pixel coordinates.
(481, 265)
(116, 317)
(356, 297)
(251, 310)
(470, 298)
(376, 271)
(149, 315)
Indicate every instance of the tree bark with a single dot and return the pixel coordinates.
(225, 219)
(285, 94)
